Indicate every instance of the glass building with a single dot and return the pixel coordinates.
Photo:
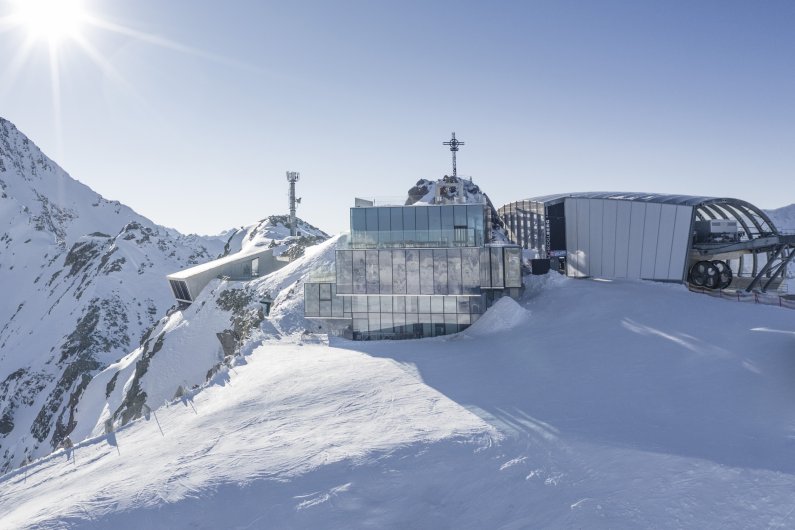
(415, 271)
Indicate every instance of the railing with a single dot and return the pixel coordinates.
(774, 299)
(401, 201)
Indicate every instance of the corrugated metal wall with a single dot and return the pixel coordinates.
(623, 239)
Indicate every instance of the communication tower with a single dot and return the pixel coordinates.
(292, 178)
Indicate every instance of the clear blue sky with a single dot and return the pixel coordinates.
(685, 97)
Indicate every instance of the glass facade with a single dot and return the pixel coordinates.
(415, 271)
(527, 226)
(450, 225)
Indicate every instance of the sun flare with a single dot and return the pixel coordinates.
(50, 19)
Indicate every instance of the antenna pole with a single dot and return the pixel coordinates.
(292, 178)
(453, 143)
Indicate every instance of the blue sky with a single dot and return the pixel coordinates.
(685, 97)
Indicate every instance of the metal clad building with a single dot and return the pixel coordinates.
(711, 242)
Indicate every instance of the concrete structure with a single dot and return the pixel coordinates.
(711, 242)
(415, 271)
(187, 284)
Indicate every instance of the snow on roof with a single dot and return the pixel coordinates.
(210, 265)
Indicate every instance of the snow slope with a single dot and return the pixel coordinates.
(82, 284)
(596, 405)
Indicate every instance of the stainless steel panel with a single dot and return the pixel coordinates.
(623, 213)
(651, 228)
(665, 239)
(609, 230)
(440, 271)
(681, 243)
(454, 280)
(596, 207)
(637, 219)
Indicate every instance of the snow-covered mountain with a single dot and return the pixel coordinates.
(586, 404)
(83, 285)
(660, 409)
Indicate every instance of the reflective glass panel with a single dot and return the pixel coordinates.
(408, 218)
(373, 304)
(359, 272)
(440, 271)
(448, 221)
(437, 304)
(344, 265)
(412, 271)
(434, 218)
(311, 299)
(496, 267)
(450, 304)
(386, 304)
(460, 215)
(385, 271)
(372, 274)
(470, 270)
(399, 272)
(359, 304)
(426, 271)
(513, 267)
(399, 304)
(454, 271)
(325, 291)
(424, 304)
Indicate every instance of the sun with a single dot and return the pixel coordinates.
(50, 19)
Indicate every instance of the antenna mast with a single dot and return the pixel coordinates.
(292, 178)
(453, 143)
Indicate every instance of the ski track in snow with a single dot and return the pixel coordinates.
(611, 404)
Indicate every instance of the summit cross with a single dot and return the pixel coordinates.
(453, 143)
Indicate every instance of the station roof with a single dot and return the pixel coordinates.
(752, 219)
(662, 198)
(211, 265)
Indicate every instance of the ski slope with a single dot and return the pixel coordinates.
(593, 404)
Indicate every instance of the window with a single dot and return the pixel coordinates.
(426, 272)
(359, 272)
(396, 224)
(385, 271)
(513, 267)
(412, 271)
(344, 265)
(496, 267)
(454, 271)
(439, 271)
(372, 273)
(399, 272)
(311, 299)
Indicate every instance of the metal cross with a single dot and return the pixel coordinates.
(453, 143)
